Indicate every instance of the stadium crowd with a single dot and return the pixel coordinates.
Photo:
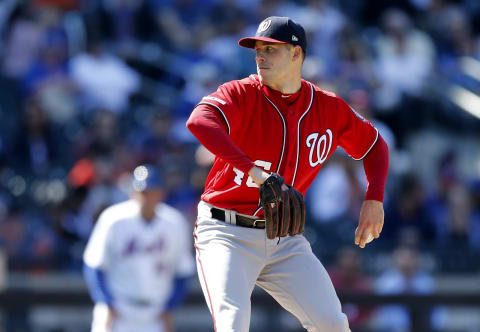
(90, 89)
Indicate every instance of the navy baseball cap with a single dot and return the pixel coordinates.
(277, 29)
(146, 177)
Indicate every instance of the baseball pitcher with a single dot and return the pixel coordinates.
(271, 134)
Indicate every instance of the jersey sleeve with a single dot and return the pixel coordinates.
(98, 250)
(213, 120)
(207, 126)
(227, 101)
(375, 165)
(356, 135)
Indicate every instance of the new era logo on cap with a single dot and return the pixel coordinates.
(276, 29)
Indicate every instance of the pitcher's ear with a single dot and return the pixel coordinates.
(297, 52)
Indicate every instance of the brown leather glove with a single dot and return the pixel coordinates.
(283, 206)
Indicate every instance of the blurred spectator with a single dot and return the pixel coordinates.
(460, 211)
(104, 79)
(16, 319)
(227, 58)
(48, 79)
(92, 187)
(151, 140)
(22, 42)
(181, 194)
(223, 13)
(404, 277)
(453, 207)
(459, 53)
(323, 23)
(405, 58)
(107, 188)
(102, 137)
(348, 277)
(407, 214)
(125, 22)
(447, 179)
(3, 268)
(372, 10)
(475, 229)
(203, 80)
(36, 149)
(456, 246)
(72, 226)
(452, 31)
(29, 243)
(177, 18)
(355, 69)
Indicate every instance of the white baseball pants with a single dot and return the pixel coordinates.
(232, 259)
(124, 323)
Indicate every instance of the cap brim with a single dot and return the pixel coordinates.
(249, 42)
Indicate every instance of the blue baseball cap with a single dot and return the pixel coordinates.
(280, 30)
(146, 177)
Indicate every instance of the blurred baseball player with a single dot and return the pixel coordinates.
(271, 133)
(138, 261)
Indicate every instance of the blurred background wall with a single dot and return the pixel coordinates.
(91, 88)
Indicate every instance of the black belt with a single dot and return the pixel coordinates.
(243, 221)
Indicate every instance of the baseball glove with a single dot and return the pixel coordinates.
(283, 206)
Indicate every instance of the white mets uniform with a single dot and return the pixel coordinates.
(140, 261)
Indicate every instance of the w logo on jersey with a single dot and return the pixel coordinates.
(319, 147)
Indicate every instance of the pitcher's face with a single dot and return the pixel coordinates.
(274, 61)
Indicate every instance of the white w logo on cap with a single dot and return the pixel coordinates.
(264, 26)
(294, 38)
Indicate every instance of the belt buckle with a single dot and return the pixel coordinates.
(255, 222)
(230, 217)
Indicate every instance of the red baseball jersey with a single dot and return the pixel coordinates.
(292, 135)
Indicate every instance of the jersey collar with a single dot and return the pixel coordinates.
(286, 100)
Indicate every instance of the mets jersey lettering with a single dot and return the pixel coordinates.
(135, 246)
(291, 136)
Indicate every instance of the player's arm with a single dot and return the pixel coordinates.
(96, 259)
(95, 262)
(208, 126)
(97, 285)
(100, 291)
(371, 220)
